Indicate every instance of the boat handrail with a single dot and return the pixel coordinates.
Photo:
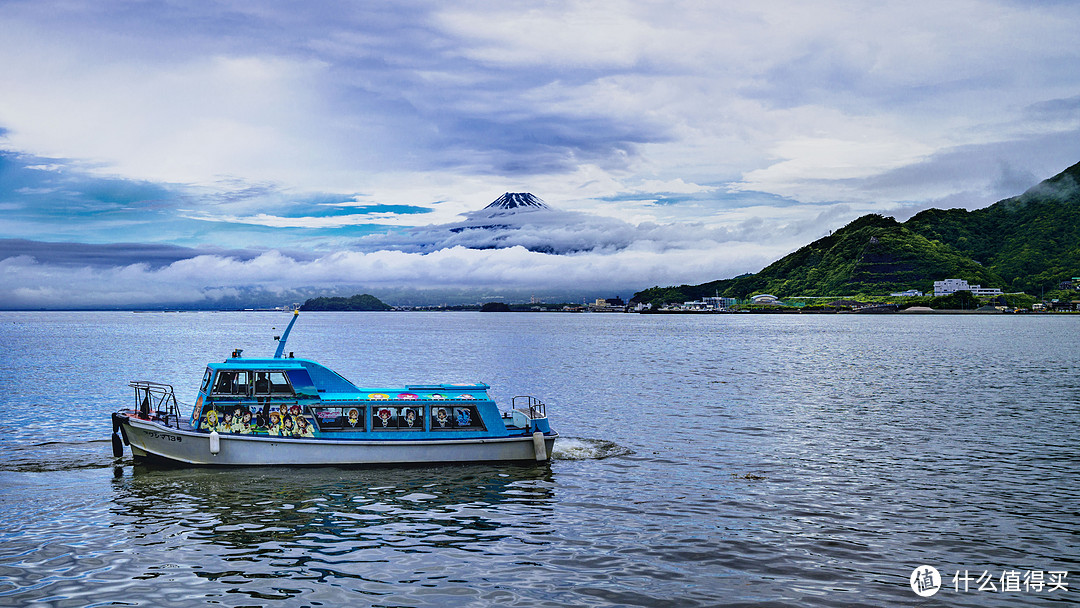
(157, 398)
(532, 405)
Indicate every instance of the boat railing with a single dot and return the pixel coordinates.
(533, 406)
(154, 399)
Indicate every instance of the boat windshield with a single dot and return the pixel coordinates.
(272, 383)
(231, 383)
(253, 383)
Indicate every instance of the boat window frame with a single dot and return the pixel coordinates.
(412, 405)
(396, 408)
(270, 391)
(343, 415)
(248, 389)
(215, 389)
(452, 406)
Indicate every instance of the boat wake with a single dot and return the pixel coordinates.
(580, 448)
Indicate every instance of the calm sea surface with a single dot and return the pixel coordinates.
(794, 460)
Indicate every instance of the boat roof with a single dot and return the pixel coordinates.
(332, 386)
(260, 363)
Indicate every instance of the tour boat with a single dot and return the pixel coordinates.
(285, 410)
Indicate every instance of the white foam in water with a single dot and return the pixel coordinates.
(580, 448)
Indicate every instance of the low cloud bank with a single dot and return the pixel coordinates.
(209, 281)
(558, 232)
(547, 231)
(546, 252)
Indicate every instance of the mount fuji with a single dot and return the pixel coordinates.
(513, 202)
(517, 219)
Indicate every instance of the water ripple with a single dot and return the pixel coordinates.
(704, 461)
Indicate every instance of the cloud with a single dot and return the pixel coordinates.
(209, 280)
(106, 256)
(334, 218)
(316, 98)
(546, 250)
(559, 232)
(662, 133)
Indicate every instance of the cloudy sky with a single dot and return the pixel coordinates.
(164, 153)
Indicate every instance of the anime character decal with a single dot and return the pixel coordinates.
(241, 421)
(195, 412)
(383, 418)
(303, 428)
(440, 419)
(210, 420)
(463, 416)
(274, 427)
(283, 422)
(293, 420)
(455, 418)
(410, 419)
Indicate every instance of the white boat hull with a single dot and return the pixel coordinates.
(155, 441)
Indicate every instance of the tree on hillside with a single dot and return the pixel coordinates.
(364, 302)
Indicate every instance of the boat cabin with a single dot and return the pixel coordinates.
(300, 398)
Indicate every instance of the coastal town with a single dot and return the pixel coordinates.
(972, 298)
(950, 296)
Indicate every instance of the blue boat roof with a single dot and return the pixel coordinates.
(332, 386)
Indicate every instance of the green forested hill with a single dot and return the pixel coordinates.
(1025, 243)
(357, 302)
(1031, 241)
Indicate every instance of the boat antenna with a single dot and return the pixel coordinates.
(285, 336)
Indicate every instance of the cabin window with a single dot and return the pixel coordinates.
(279, 383)
(467, 418)
(409, 418)
(272, 383)
(442, 418)
(231, 383)
(206, 380)
(348, 418)
(383, 417)
(456, 417)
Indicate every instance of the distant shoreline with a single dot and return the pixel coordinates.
(785, 311)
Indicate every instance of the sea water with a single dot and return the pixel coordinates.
(803, 460)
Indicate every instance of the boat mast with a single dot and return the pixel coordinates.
(285, 336)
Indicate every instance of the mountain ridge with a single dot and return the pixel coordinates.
(1026, 242)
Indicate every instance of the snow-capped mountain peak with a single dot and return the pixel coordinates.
(517, 201)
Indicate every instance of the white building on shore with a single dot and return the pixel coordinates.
(718, 303)
(948, 286)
